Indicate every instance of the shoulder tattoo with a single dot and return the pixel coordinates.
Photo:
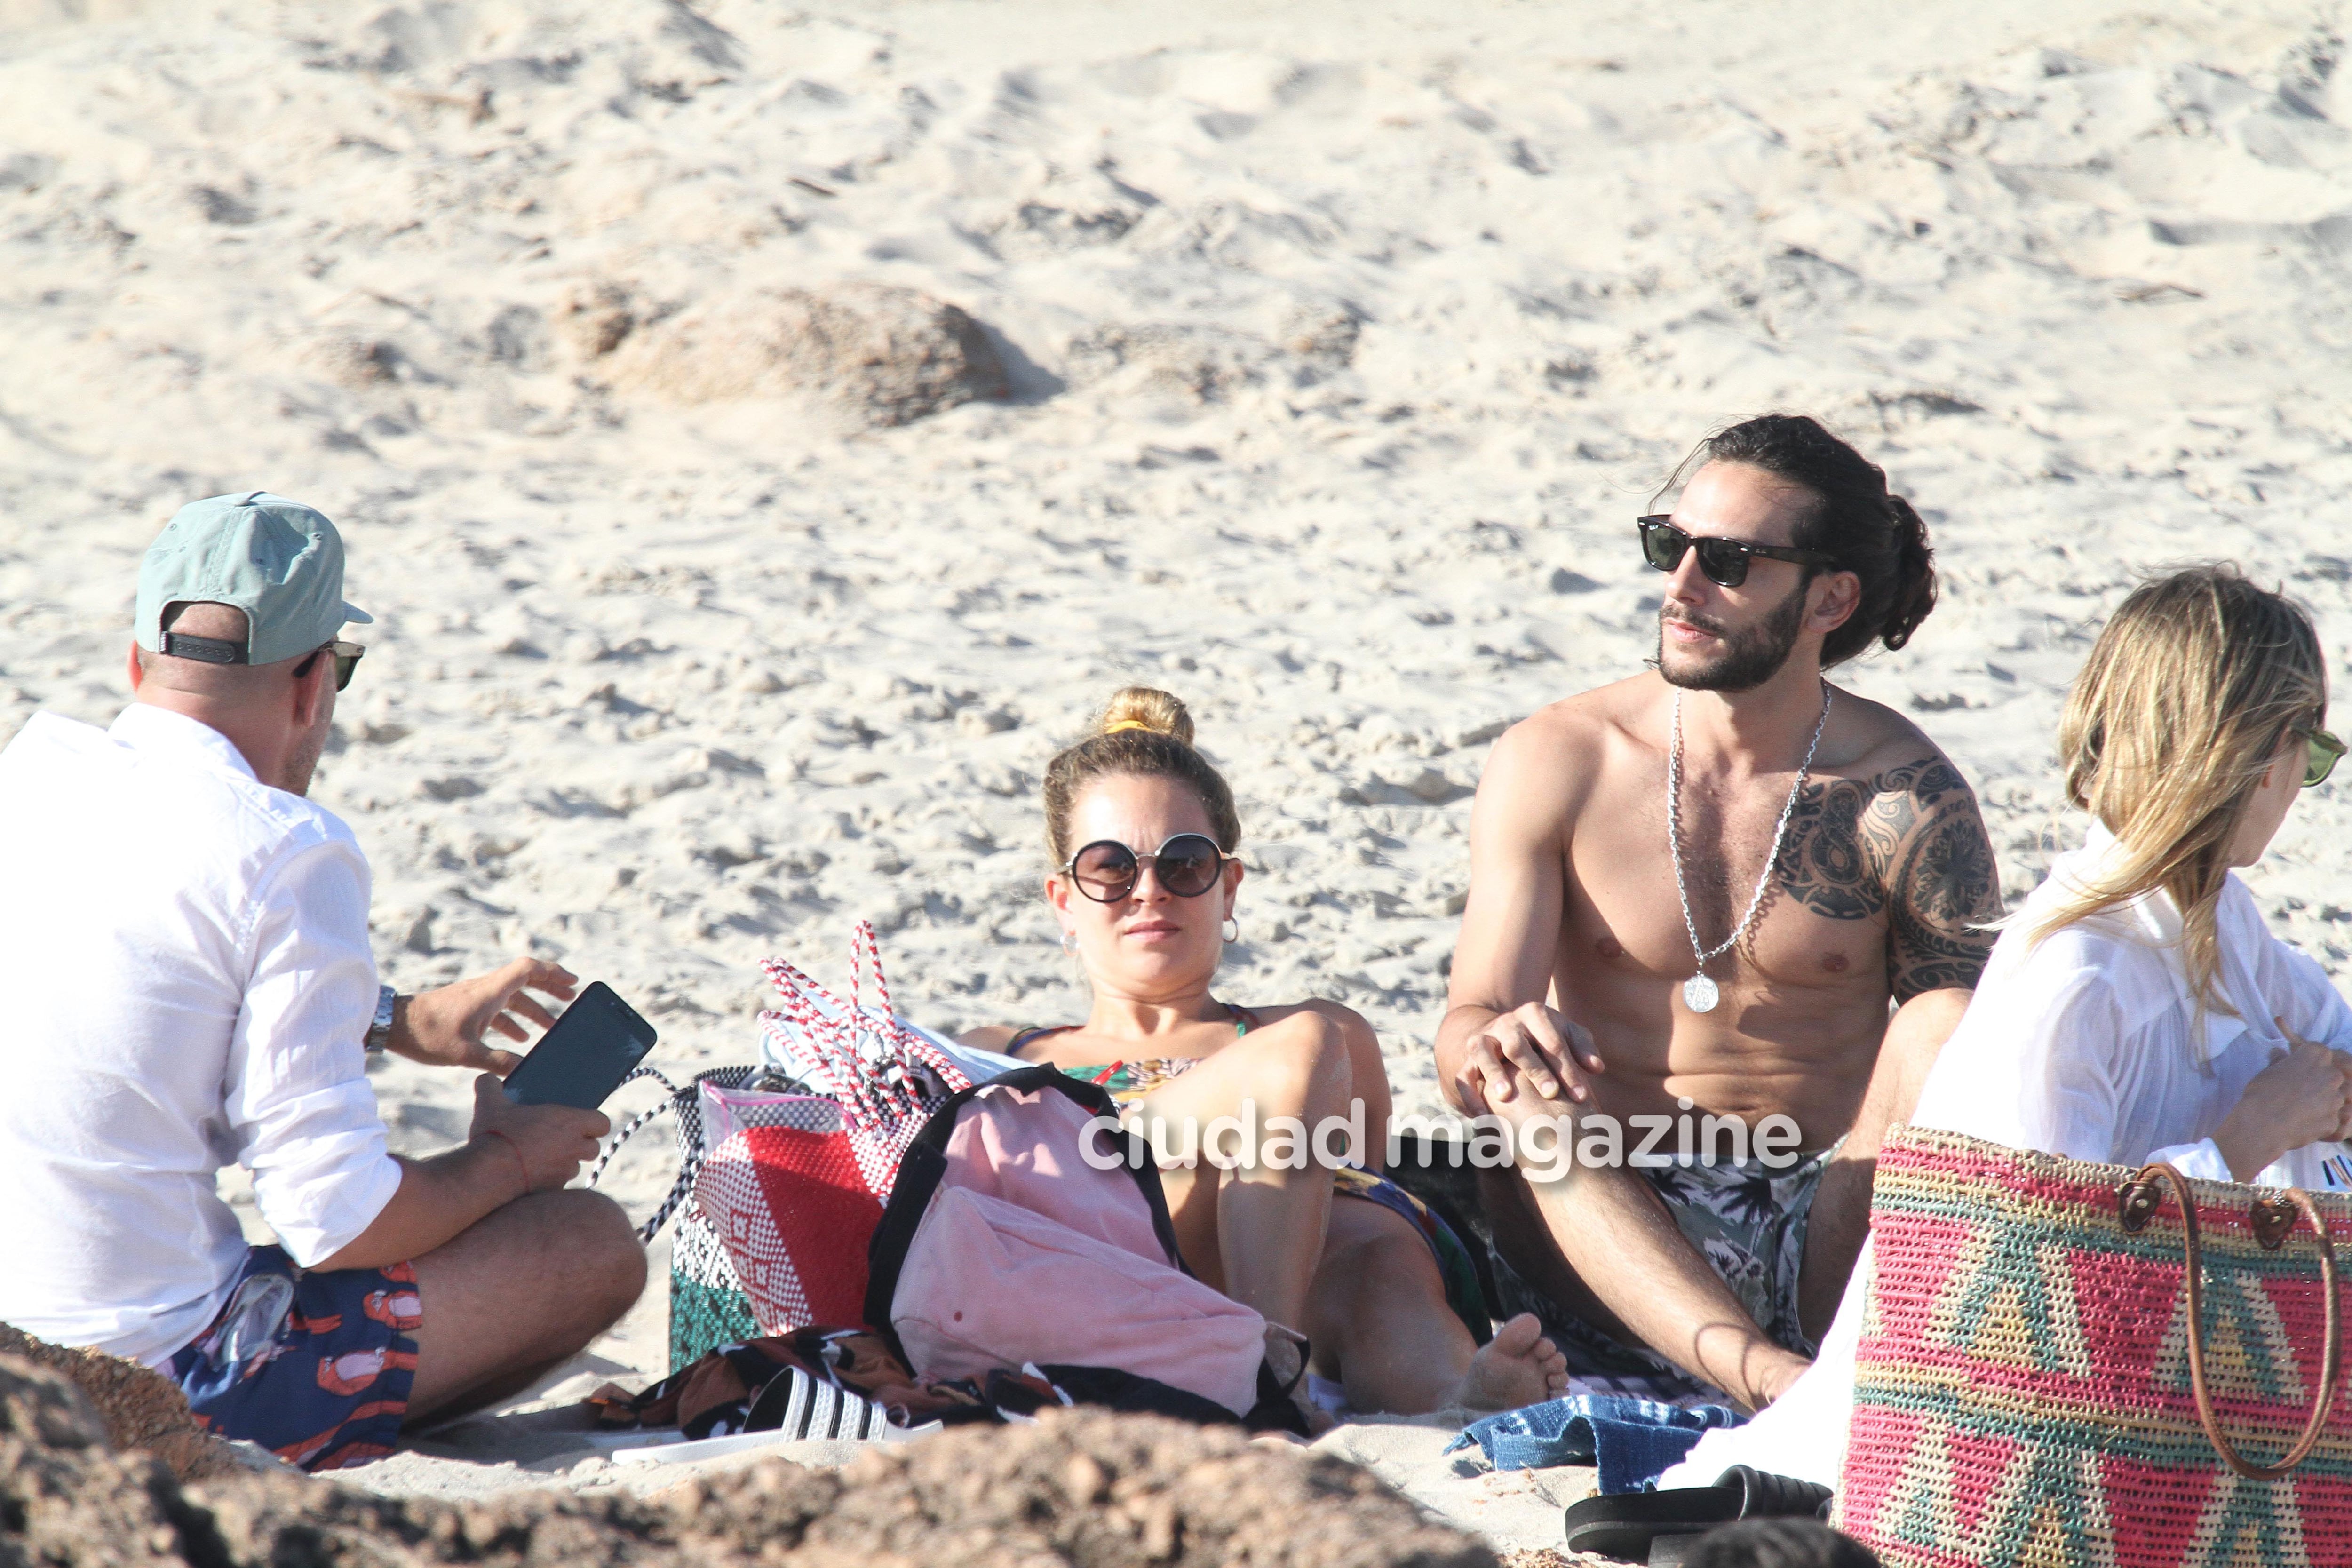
(1909, 845)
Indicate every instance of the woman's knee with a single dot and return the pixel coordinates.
(1303, 1060)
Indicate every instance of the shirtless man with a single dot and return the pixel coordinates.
(1579, 985)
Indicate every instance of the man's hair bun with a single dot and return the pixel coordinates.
(1145, 708)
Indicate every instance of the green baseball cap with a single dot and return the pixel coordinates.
(278, 561)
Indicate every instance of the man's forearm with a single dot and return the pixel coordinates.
(437, 1198)
(1461, 1021)
(1618, 1237)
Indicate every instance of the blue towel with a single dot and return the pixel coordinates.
(1631, 1440)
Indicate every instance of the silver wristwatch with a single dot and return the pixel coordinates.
(379, 1033)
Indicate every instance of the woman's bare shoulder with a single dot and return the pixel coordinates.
(1052, 1047)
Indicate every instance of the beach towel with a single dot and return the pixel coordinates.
(2060, 1363)
(849, 1385)
(1630, 1440)
(814, 1382)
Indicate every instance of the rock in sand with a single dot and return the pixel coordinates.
(875, 355)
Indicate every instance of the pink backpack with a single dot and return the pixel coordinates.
(1001, 1247)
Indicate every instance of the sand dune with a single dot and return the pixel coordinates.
(1335, 353)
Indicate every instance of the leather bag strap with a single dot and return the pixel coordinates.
(2272, 1218)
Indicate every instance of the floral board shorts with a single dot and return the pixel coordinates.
(1749, 1220)
(315, 1367)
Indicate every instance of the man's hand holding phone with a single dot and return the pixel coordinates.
(546, 1143)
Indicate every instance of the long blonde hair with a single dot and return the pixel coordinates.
(2188, 697)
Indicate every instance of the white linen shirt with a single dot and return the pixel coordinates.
(187, 983)
(2089, 1045)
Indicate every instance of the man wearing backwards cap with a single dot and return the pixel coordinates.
(184, 960)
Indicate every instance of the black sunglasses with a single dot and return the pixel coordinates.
(1725, 561)
(347, 661)
(1187, 866)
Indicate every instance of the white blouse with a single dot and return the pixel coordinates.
(2088, 1045)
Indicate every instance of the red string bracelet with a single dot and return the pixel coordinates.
(521, 1162)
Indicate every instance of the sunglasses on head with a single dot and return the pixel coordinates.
(347, 660)
(1725, 561)
(1187, 866)
(2325, 751)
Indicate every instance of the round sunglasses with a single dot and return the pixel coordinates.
(1187, 866)
(2326, 752)
(1725, 561)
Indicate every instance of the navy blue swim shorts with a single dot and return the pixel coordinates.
(315, 1367)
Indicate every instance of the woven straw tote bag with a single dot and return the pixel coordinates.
(2065, 1364)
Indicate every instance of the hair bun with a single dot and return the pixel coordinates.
(1915, 582)
(1145, 708)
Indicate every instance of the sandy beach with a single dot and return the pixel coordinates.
(1327, 357)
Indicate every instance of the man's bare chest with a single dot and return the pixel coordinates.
(1803, 904)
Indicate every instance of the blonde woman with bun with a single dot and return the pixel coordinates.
(1141, 831)
(2137, 1007)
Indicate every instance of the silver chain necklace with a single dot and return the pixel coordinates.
(1699, 993)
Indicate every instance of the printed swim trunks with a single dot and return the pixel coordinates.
(1749, 1220)
(315, 1367)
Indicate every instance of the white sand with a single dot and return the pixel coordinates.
(1348, 343)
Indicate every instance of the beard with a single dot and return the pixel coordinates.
(1749, 658)
(302, 761)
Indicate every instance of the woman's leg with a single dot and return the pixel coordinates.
(1378, 1324)
(1255, 1232)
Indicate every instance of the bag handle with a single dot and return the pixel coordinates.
(2272, 1218)
(869, 1052)
(636, 1122)
(690, 1163)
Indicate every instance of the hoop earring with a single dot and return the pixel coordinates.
(1070, 943)
(1232, 931)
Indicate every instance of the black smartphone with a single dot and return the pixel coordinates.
(596, 1043)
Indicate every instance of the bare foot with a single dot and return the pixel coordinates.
(1517, 1366)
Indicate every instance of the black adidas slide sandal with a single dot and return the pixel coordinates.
(1658, 1527)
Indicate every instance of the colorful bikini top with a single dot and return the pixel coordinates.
(1131, 1080)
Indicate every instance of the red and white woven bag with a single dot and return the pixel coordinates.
(794, 1194)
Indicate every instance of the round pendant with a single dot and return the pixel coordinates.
(1699, 993)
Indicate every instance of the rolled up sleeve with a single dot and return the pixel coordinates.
(297, 1100)
(2302, 998)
